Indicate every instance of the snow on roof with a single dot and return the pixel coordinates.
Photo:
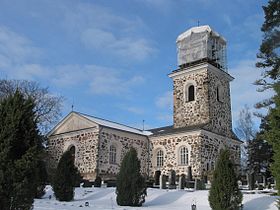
(198, 29)
(115, 125)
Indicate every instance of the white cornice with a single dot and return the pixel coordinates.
(197, 68)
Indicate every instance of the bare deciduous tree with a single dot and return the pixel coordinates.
(48, 106)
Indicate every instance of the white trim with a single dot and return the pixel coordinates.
(177, 134)
(178, 150)
(198, 68)
(154, 158)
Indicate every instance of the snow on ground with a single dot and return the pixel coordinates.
(105, 199)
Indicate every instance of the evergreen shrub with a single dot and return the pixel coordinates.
(131, 188)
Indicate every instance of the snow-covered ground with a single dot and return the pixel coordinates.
(105, 198)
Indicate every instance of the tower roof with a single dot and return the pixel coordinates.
(199, 29)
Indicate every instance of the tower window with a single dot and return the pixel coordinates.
(113, 155)
(184, 156)
(219, 94)
(160, 158)
(189, 93)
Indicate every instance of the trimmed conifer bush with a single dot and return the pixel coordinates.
(224, 193)
(65, 178)
(131, 188)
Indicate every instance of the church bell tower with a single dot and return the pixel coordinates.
(201, 84)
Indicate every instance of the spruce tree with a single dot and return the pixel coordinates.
(65, 177)
(131, 188)
(272, 135)
(224, 193)
(20, 146)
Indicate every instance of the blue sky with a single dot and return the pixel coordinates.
(111, 58)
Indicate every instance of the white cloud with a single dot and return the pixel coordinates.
(165, 101)
(99, 28)
(166, 118)
(243, 91)
(133, 109)
(15, 49)
(97, 79)
(105, 41)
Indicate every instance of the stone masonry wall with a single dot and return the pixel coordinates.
(193, 112)
(220, 111)
(170, 145)
(123, 141)
(86, 147)
(203, 149)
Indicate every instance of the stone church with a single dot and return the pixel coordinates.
(201, 114)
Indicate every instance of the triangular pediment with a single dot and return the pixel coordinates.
(72, 122)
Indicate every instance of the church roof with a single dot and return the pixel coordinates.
(111, 124)
(170, 129)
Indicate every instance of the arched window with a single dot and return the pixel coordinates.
(184, 156)
(219, 94)
(113, 155)
(160, 158)
(189, 93)
(72, 150)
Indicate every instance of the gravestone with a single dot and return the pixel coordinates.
(172, 180)
(162, 182)
(189, 175)
(182, 181)
(157, 177)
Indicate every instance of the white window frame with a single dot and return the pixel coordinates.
(113, 154)
(186, 90)
(159, 158)
(184, 155)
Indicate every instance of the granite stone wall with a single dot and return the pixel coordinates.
(194, 112)
(220, 110)
(213, 112)
(203, 149)
(86, 149)
(123, 141)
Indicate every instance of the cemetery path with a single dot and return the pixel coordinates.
(165, 197)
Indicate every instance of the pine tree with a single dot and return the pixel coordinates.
(269, 54)
(224, 193)
(131, 188)
(272, 135)
(20, 146)
(65, 177)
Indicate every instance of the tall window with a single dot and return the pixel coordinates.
(189, 93)
(219, 93)
(160, 158)
(184, 156)
(72, 150)
(113, 155)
